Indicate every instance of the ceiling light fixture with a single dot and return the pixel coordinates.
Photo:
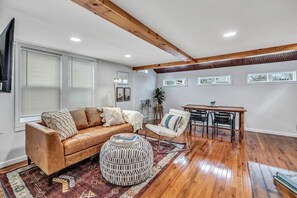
(229, 34)
(128, 56)
(75, 39)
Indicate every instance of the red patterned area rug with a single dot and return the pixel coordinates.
(83, 180)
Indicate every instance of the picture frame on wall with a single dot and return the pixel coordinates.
(120, 94)
(127, 94)
(124, 78)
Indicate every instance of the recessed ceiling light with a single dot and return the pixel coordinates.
(75, 39)
(229, 34)
(128, 56)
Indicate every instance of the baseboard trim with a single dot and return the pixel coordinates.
(288, 134)
(13, 161)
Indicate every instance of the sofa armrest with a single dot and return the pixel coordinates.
(44, 148)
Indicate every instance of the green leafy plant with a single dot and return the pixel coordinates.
(159, 95)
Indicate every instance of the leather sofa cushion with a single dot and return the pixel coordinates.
(92, 136)
(94, 116)
(80, 119)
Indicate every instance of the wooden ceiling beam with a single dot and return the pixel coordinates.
(111, 12)
(261, 59)
(232, 56)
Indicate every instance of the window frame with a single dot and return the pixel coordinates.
(269, 81)
(65, 56)
(215, 83)
(175, 85)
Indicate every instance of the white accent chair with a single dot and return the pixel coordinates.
(168, 133)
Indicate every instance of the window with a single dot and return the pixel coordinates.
(143, 71)
(50, 80)
(272, 77)
(123, 78)
(39, 83)
(215, 80)
(175, 82)
(81, 83)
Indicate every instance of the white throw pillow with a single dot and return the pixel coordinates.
(171, 121)
(60, 121)
(112, 116)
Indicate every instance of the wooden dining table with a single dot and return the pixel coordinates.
(240, 110)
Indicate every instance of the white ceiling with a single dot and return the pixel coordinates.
(50, 23)
(194, 26)
(197, 26)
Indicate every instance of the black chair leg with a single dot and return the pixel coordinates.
(217, 129)
(207, 127)
(212, 130)
(29, 161)
(203, 129)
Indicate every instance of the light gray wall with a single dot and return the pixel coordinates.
(144, 85)
(271, 108)
(107, 71)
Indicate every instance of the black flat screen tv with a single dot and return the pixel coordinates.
(6, 57)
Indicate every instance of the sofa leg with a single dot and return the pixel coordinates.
(29, 161)
(50, 179)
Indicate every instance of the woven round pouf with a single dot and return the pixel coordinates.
(126, 159)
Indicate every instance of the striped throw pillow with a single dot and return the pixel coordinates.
(61, 122)
(171, 121)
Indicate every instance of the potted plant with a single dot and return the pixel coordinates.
(159, 96)
(213, 103)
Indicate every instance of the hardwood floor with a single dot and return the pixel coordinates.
(218, 168)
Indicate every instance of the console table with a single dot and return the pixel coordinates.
(239, 110)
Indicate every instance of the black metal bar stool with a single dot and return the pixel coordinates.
(199, 116)
(225, 119)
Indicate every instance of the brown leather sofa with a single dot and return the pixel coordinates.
(44, 148)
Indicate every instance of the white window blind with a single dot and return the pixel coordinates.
(81, 83)
(39, 83)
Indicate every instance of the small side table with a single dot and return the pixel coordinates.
(158, 112)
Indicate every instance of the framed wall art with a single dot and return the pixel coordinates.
(120, 94)
(127, 94)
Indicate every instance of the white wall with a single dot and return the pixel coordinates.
(107, 71)
(271, 108)
(144, 85)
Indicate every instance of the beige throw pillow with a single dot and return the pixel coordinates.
(94, 116)
(79, 118)
(60, 121)
(112, 116)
